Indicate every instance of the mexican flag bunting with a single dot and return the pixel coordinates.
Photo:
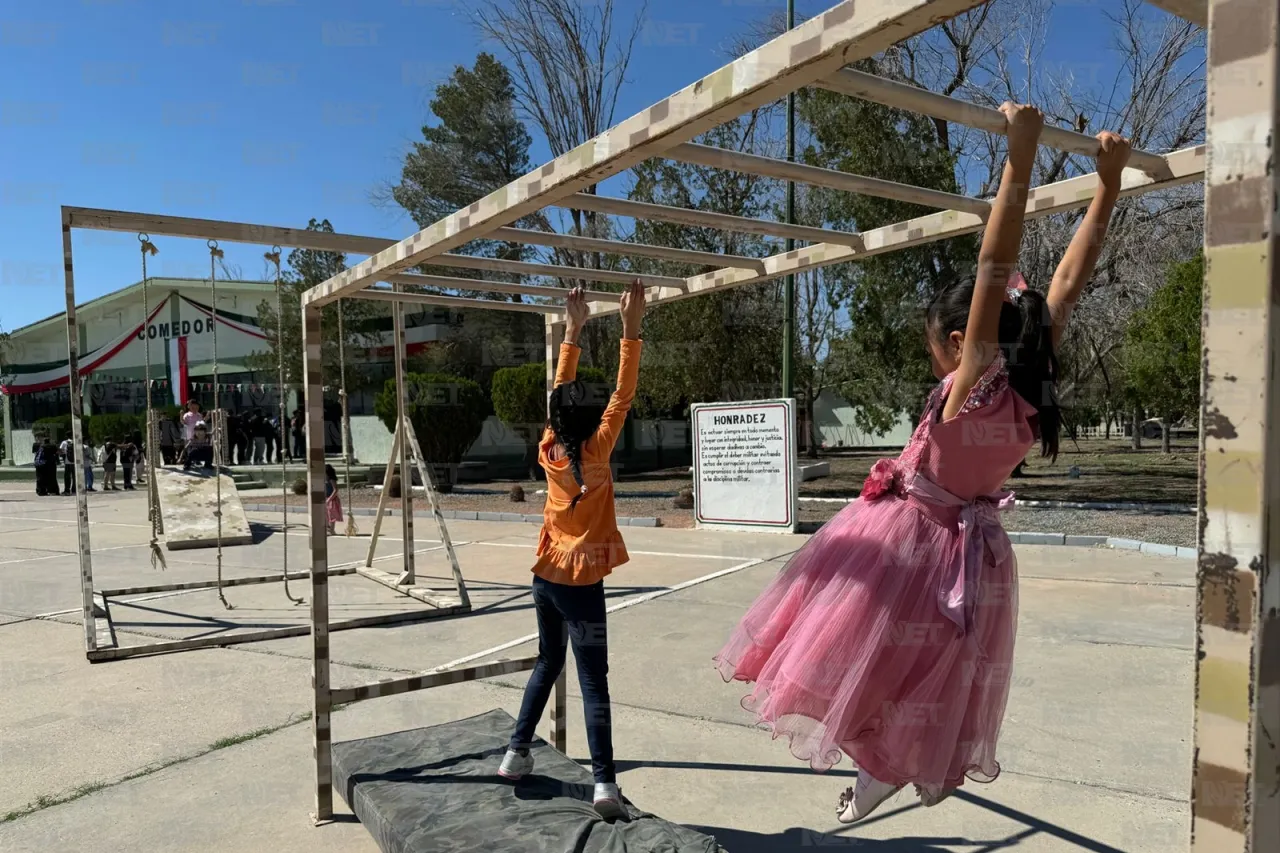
(178, 369)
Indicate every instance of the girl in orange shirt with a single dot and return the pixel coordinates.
(579, 545)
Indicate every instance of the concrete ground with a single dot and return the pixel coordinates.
(210, 750)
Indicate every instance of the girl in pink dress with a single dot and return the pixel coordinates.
(332, 500)
(889, 636)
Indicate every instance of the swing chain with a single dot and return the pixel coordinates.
(274, 257)
(153, 495)
(351, 530)
(217, 415)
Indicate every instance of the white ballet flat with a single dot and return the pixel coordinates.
(858, 802)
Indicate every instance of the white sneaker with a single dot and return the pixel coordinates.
(608, 801)
(514, 765)
(858, 802)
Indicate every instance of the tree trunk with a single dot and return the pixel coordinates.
(1166, 427)
(1107, 426)
(811, 428)
(1137, 429)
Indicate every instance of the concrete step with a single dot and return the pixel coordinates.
(250, 485)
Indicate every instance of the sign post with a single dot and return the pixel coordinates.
(744, 465)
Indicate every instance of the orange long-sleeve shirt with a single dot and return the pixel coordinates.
(581, 546)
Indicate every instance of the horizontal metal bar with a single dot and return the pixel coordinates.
(622, 247)
(817, 48)
(1184, 167)
(455, 301)
(459, 283)
(121, 652)
(551, 270)
(753, 164)
(178, 587)
(878, 90)
(428, 680)
(706, 219)
(96, 219)
(420, 593)
(1195, 11)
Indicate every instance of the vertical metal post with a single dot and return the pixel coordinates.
(555, 337)
(408, 576)
(789, 289)
(8, 431)
(383, 497)
(313, 377)
(1235, 802)
(77, 439)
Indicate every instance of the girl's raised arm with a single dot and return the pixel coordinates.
(615, 414)
(1076, 267)
(999, 253)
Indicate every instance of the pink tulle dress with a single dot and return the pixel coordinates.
(889, 636)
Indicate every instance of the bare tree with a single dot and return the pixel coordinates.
(568, 61)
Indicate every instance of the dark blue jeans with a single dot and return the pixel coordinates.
(571, 614)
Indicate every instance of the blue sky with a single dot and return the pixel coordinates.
(267, 111)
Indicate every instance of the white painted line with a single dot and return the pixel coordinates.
(70, 554)
(629, 551)
(71, 521)
(621, 605)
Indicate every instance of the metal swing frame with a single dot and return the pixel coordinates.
(100, 634)
(1236, 798)
(1236, 801)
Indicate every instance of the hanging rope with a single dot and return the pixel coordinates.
(346, 421)
(274, 257)
(153, 497)
(218, 420)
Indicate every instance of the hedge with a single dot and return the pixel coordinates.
(447, 413)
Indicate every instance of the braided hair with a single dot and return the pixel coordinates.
(575, 411)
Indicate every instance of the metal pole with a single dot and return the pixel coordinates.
(789, 290)
(322, 703)
(408, 575)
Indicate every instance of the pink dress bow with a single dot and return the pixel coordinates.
(980, 533)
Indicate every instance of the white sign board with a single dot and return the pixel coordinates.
(744, 465)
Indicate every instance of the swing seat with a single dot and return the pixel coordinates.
(188, 503)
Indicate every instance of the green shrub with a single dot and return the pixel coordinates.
(447, 413)
(520, 401)
(57, 427)
(103, 428)
(300, 486)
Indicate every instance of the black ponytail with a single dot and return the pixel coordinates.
(574, 415)
(1026, 339)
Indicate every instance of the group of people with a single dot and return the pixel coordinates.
(889, 636)
(255, 437)
(123, 454)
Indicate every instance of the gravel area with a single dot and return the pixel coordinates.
(1167, 529)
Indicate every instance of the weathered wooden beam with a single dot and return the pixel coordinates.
(869, 87)
(552, 270)
(428, 680)
(457, 283)
(622, 247)
(96, 219)
(1195, 11)
(456, 301)
(819, 47)
(1184, 167)
(754, 164)
(706, 219)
